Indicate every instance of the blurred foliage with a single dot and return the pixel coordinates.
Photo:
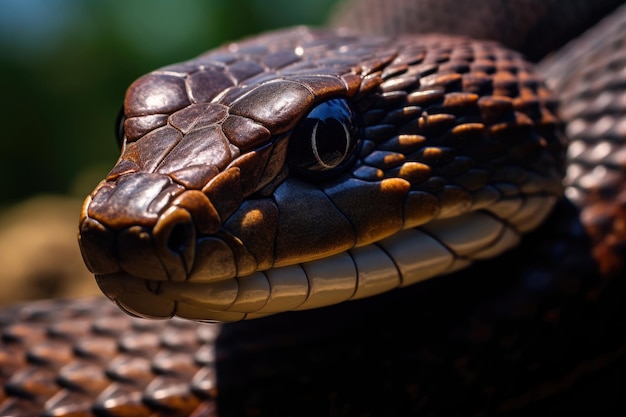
(65, 66)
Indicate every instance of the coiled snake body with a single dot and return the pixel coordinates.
(304, 168)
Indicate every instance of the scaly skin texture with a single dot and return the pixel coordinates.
(539, 329)
(589, 76)
(535, 27)
(446, 126)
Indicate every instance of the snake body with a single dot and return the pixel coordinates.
(229, 227)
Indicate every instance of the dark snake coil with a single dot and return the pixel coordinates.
(523, 332)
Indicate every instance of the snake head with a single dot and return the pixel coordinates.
(305, 168)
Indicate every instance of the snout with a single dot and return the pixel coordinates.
(144, 225)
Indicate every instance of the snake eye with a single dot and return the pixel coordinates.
(324, 141)
(119, 128)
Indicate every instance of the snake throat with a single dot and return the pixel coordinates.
(460, 152)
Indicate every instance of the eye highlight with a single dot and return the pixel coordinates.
(324, 142)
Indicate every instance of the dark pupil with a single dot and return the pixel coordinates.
(324, 139)
(330, 142)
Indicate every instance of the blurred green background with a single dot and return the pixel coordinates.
(65, 65)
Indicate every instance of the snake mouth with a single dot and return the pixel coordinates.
(181, 259)
(407, 257)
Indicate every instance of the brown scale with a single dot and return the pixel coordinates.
(534, 26)
(78, 365)
(203, 148)
(496, 339)
(590, 71)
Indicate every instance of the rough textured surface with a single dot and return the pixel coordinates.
(87, 357)
(540, 329)
(462, 125)
(590, 76)
(536, 27)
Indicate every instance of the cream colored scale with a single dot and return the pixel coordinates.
(410, 256)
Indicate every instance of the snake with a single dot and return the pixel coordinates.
(332, 222)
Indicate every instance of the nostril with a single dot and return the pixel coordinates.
(179, 237)
(174, 238)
